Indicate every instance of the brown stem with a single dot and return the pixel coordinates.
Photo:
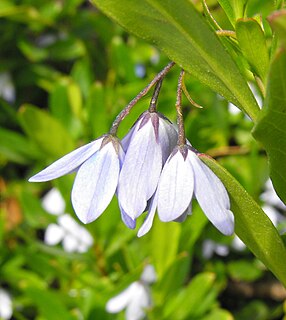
(153, 102)
(142, 93)
(180, 119)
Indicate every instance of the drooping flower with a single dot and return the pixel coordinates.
(6, 309)
(183, 177)
(147, 146)
(136, 298)
(97, 165)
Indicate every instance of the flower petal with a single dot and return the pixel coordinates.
(54, 234)
(140, 171)
(53, 202)
(95, 184)
(212, 196)
(119, 302)
(68, 163)
(6, 309)
(175, 187)
(130, 223)
(147, 224)
(141, 300)
(167, 137)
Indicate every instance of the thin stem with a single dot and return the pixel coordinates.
(226, 33)
(188, 95)
(154, 99)
(142, 93)
(180, 119)
(210, 15)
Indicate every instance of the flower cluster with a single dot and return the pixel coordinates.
(152, 168)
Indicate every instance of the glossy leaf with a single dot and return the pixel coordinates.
(177, 29)
(271, 129)
(252, 42)
(252, 225)
(45, 131)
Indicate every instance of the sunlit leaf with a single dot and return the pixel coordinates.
(177, 29)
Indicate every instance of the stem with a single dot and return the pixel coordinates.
(180, 119)
(210, 15)
(142, 93)
(153, 102)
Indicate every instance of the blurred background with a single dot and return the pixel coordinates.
(66, 71)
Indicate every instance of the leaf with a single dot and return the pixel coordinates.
(233, 9)
(252, 225)
(178, 29)
(271, 127)
(243, 270)
(218, 314)
(185, 303)
(49, 304)
(45, 131)
(252, 42)
(15, 147)
(277, 21)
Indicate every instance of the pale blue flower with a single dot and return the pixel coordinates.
(183, 177)
(6, 309)
(147, 146)
(98, 165)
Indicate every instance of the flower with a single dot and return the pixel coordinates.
(6, 310)
(135, 298)
(73, 236)
(184, 176)
(97, 164)
(147, 146)
(210, 248)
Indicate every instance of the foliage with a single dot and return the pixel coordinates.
(73, 70)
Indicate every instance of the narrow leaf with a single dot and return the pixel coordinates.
(271, 129)
(253, 45)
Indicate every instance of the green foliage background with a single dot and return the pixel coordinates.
(73, 70)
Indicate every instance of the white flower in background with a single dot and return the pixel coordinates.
(136, 298)
(270, 197)
(210, 248)
(7, 88)
(6, 309)
(74, 237)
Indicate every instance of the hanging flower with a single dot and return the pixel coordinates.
(6, 309)
(136, 298)
(183, 177)
(97, 165)
(147, 146)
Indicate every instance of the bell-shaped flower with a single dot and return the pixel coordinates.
(147, 146)
(97, 164)
(183, 177)
(136, 298)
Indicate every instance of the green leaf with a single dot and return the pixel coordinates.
(178, 29)
(45, 131)
(271, 127)
(49, 304)
(164, 244)
(252, 225)
(15, 147)
(233, 9)
(252, 42)
(243, 270)
(218, 314)
(277, 21)
(185, 303)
